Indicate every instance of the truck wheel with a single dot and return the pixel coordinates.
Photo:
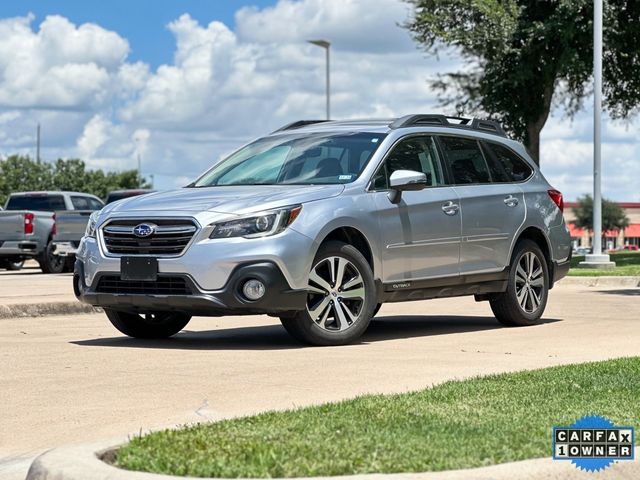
(526, 297)
(341, 299)
(11, 266)
(50, 263)
(148, 325)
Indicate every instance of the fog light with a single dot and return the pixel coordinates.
(253, 289)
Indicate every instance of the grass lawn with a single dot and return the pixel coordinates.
(627, 263)
(458, 424)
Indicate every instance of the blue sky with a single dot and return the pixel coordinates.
(183, 83)
(142, 22)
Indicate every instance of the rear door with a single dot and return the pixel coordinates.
(421, 234)
(492, 210)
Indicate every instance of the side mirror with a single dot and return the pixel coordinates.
(405, 180)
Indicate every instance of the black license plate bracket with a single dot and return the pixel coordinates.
(143, 269)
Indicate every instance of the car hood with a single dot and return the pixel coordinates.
(224, 199)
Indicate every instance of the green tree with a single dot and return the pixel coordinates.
(20, 174)
(613, 216)
(523, 57)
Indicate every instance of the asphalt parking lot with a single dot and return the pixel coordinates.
(70, 379)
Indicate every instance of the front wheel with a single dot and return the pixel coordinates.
(341, 298)
(149, 325)
(526, 297)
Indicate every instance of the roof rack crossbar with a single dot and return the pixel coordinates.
(298, 124)
(487, 126)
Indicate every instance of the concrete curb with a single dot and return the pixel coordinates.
(83, 462)
(608, 281)
(19, 310)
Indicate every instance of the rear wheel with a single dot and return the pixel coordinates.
(149, 325)
(341, 299)
(526, 297)
(50, 263)
(11, 265)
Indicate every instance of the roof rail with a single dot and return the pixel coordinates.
(487, 126)
(298, 124)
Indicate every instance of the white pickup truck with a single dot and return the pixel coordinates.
(28, 225)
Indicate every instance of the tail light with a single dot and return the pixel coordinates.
(54, 228)
(28, 223)
(556, 196)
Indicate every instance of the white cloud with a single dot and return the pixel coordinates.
(60, 66)
(225, 87)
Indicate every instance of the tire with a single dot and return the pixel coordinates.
(376, 310)
(11, 265)
(528, 288)
(150, 325)
(15, 266)
(50, 263)
(324, 322)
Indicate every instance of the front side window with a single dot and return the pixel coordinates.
(418, 154)
(505, 165)
(80, 203)
(465, 160)
(94, 204)
(310, 159)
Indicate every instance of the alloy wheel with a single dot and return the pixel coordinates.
(529, 282)
(336, 294)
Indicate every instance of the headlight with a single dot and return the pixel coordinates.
(258, 225)
(91, 225)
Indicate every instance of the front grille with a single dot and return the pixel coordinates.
(162, 286)
(169, 237)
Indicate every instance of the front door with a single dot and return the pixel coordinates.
(421, 234)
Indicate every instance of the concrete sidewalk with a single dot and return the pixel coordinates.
(30, 293)
(75, 379)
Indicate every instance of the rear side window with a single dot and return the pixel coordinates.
(465, 160)
(44, 203)
(415, 153)
(505, 165)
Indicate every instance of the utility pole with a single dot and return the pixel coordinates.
(38, 143)
(139, 171)
(597, 259)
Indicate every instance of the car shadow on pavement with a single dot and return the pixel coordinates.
(622, 291)
(274, 337)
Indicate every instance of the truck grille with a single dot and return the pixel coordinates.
(168, 237)
(162, 286)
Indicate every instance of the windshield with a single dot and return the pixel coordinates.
(323, 158)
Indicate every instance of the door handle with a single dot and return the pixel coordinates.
(510, 201)
(450, 208)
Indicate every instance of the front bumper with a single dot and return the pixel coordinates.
(279, 297)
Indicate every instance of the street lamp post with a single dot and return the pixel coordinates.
(597, 259)
(327, 46)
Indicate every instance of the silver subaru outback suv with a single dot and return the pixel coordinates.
(321, 222)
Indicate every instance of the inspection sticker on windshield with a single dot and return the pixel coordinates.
(345, 177)
(593, 443)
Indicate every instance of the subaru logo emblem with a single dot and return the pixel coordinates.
(144, 230)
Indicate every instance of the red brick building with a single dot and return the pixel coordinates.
(628, 236)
